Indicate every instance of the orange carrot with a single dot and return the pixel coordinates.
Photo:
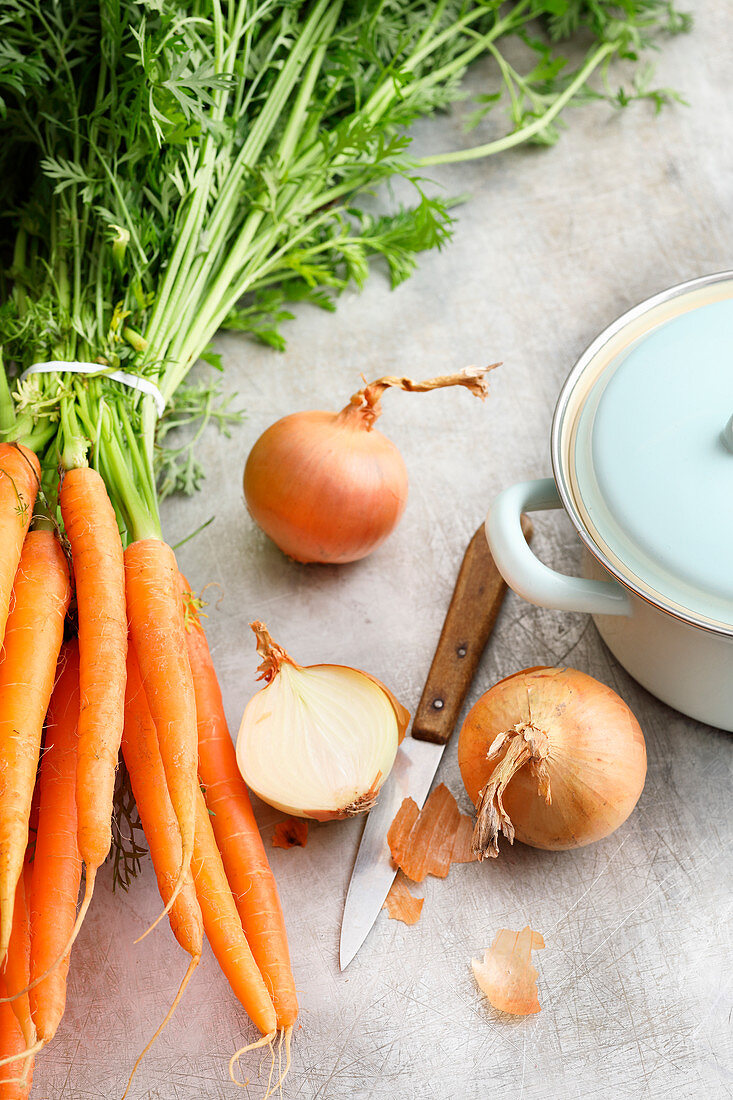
(17, 963)
(99, 575)
(224, 928)
(237, 836)
(56, 863)
(33, 637)
(145, 766)
(16, 1064)
(12, 1043)
(142, 757)
(155, 617)
(20, 476)
(91, 527)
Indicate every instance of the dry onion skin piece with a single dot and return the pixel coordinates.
(401, 904)
(290, 833)
(553, 757)
(317, 742)
(506, 974)
(426, 842)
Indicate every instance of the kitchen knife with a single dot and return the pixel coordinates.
(473, 609)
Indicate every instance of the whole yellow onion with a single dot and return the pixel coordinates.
(553, 757)
(329, 487)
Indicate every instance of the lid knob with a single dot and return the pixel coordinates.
(727, 434)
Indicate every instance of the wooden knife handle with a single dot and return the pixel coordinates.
(477, 597)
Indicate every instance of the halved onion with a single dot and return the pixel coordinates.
(317, 742)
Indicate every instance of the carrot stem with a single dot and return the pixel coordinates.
(7, 408)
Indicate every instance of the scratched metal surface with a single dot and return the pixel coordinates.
(635, 981)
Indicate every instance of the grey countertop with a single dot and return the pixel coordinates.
(635, 980)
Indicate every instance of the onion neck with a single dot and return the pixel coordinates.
(273, 655)
(362, 411)
(365, 407)
(524, 744)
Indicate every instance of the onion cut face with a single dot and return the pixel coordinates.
(317, 742)
(553, 757)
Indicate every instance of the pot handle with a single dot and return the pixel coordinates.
(526, 574)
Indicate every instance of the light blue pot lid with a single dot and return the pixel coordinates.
(647, 449)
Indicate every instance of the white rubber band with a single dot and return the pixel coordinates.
(134, 381)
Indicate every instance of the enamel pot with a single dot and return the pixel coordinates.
(642, 456)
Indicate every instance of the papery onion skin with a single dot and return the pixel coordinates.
(401, 904)
(506, 974)
(595, 763)
(324, 488)
(427, 841)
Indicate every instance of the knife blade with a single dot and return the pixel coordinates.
(477, 597)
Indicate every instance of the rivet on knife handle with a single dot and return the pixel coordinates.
(473, 609)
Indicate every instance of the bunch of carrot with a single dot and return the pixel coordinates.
(137, 675)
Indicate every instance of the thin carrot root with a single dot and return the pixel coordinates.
(28, 1071)
(195, 960)
(29, 1052)
(264, 1041)
(86, 901)
(22, 1081)
(180, 883)
(272, 1070)
(141, 751)
(286, 1034)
